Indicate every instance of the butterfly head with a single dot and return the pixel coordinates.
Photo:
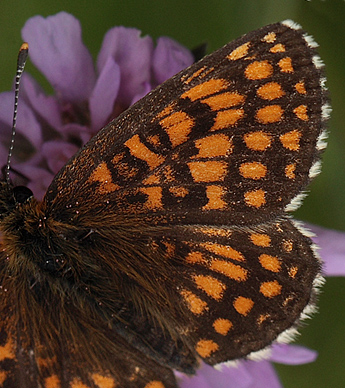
(11, 197)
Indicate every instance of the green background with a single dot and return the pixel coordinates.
(217, 22)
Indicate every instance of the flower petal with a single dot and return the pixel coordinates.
(46, 106)
(57, 50)
(292, 354)
(3, 155)
(104, 94)
(57, 153)
(76, 131)
(169, 58)
(40, 179)
(263, 375)
(332, 249)
(209, 377)
(27, 124)
(137, 97)
(133, 54)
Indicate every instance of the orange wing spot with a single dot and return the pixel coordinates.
(153, 179)
(178, 191)
(46, 362)
(210, 171)
(154, 140)
(205, 89)
(126, 170)
(271, 263)
(194, 303)
(102, 175)
(258, 70)
(168, 174)
(178, 126)
(262, 318)
(257, 141)
(223, 250)
(206, 347)
(285, 65)
(230, 270)
(243, 305)
(77, 383)
(166, 111)
(293, 272)
(117, 158)
(227, 118)
(52, 382)
(278, 48)
(290, 140)
(140, 151)
(194, 75)
(290, 171)
(102, 381)
(155, 384)
(213, 146)
(154, 200)
(239, 52)
(3, 377)
(215, 232)
(270, 37)
(261, 240)
(253, 170)
(214, 195)
(7, 351)
(213, 287)
(224, 100)
(270, 289)
(222, 326)
(270, 91)
(301, 112)
(255, 198)
(195, 257)
(170, 248)
(287, 245)
(300, 87)
(269, 114)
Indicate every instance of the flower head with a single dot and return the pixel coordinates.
(51, 128)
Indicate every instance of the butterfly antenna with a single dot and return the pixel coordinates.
(22, 57)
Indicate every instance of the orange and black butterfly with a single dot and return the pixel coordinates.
(166, 241)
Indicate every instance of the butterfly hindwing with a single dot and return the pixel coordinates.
(241, 290)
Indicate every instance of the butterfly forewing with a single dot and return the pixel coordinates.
(166, 235)
(234, 138)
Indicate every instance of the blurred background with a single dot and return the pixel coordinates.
(193, 22)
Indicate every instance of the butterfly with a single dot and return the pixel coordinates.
(166, 240)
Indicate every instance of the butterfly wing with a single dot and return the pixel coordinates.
(228, 142)
(167, 230)
(26, 364)
(244, 287)
(233, 137)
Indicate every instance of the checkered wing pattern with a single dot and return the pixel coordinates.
(231, 140)
(169, 230)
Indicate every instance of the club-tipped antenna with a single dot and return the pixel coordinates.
(22, 57)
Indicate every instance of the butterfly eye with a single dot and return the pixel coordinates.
(22, 194)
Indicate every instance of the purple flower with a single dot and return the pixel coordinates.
(250, 374)
(51, 128)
